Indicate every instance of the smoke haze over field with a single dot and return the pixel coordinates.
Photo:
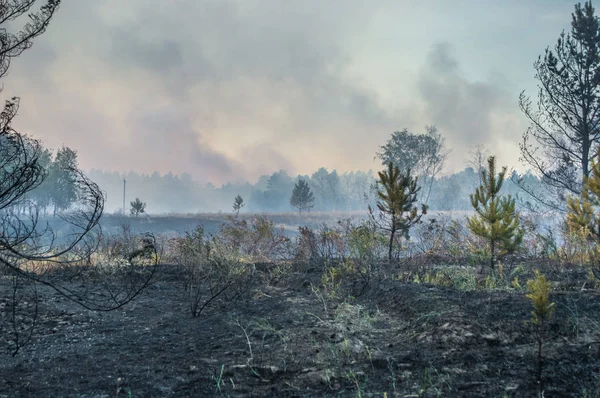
(230, 90)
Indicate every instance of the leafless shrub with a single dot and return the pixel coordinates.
(349, 250)
(449, 241)
(366, 249)
(211, 270)
(111, 275)
(322, 247)
(255, 239)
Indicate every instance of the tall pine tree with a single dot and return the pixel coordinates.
(565, 124)
(62, 177)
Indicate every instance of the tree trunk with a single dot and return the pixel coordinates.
(392, 233)
(492, 257)
(585, 149)
(540, 360)
(585, 140)
(391, 244)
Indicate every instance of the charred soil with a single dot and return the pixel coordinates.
(398, 339)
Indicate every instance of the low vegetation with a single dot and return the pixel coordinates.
(250, 311)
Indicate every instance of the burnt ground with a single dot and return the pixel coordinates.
(397, 339)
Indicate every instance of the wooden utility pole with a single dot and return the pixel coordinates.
(124, 182)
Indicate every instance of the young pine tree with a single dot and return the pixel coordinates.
(397, 194)
(496, 219)
(238, 203)
(582, 219)
(302, 197)
(539, 294)
(137, 207)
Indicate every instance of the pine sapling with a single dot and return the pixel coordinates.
(495, 219)
(539, 294)
(302, 197)
(238, 203)
(397, 192)
(582, 218)
(137, 207)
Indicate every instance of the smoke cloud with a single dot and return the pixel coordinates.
(229, 90)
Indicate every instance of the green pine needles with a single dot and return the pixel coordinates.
(581, 211)
(583, 218)
(302, 197)
(495, 220)
(397, 194)
(539, 294)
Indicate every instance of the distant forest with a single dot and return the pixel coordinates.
(350, 191)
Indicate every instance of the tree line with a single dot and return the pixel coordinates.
(332, 191)
(58, 190)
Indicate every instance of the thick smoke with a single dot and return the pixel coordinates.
(249, 87)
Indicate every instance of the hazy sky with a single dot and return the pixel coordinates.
(229, 90)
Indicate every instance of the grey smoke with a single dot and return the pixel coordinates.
(253, 86)
(168, 128)
(456, 104)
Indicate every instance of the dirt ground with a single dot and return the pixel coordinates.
(395, 340)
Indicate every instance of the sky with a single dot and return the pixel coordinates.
(229, 90)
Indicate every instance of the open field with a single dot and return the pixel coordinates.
(249, 312)
(399, 338)
(178, 223)
(174, 224)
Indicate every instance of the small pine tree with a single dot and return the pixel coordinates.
(137, 207)
(397, 195)
(496, 219)
(582, 219)
(238, 203)
(302, 197)
(539, 294)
